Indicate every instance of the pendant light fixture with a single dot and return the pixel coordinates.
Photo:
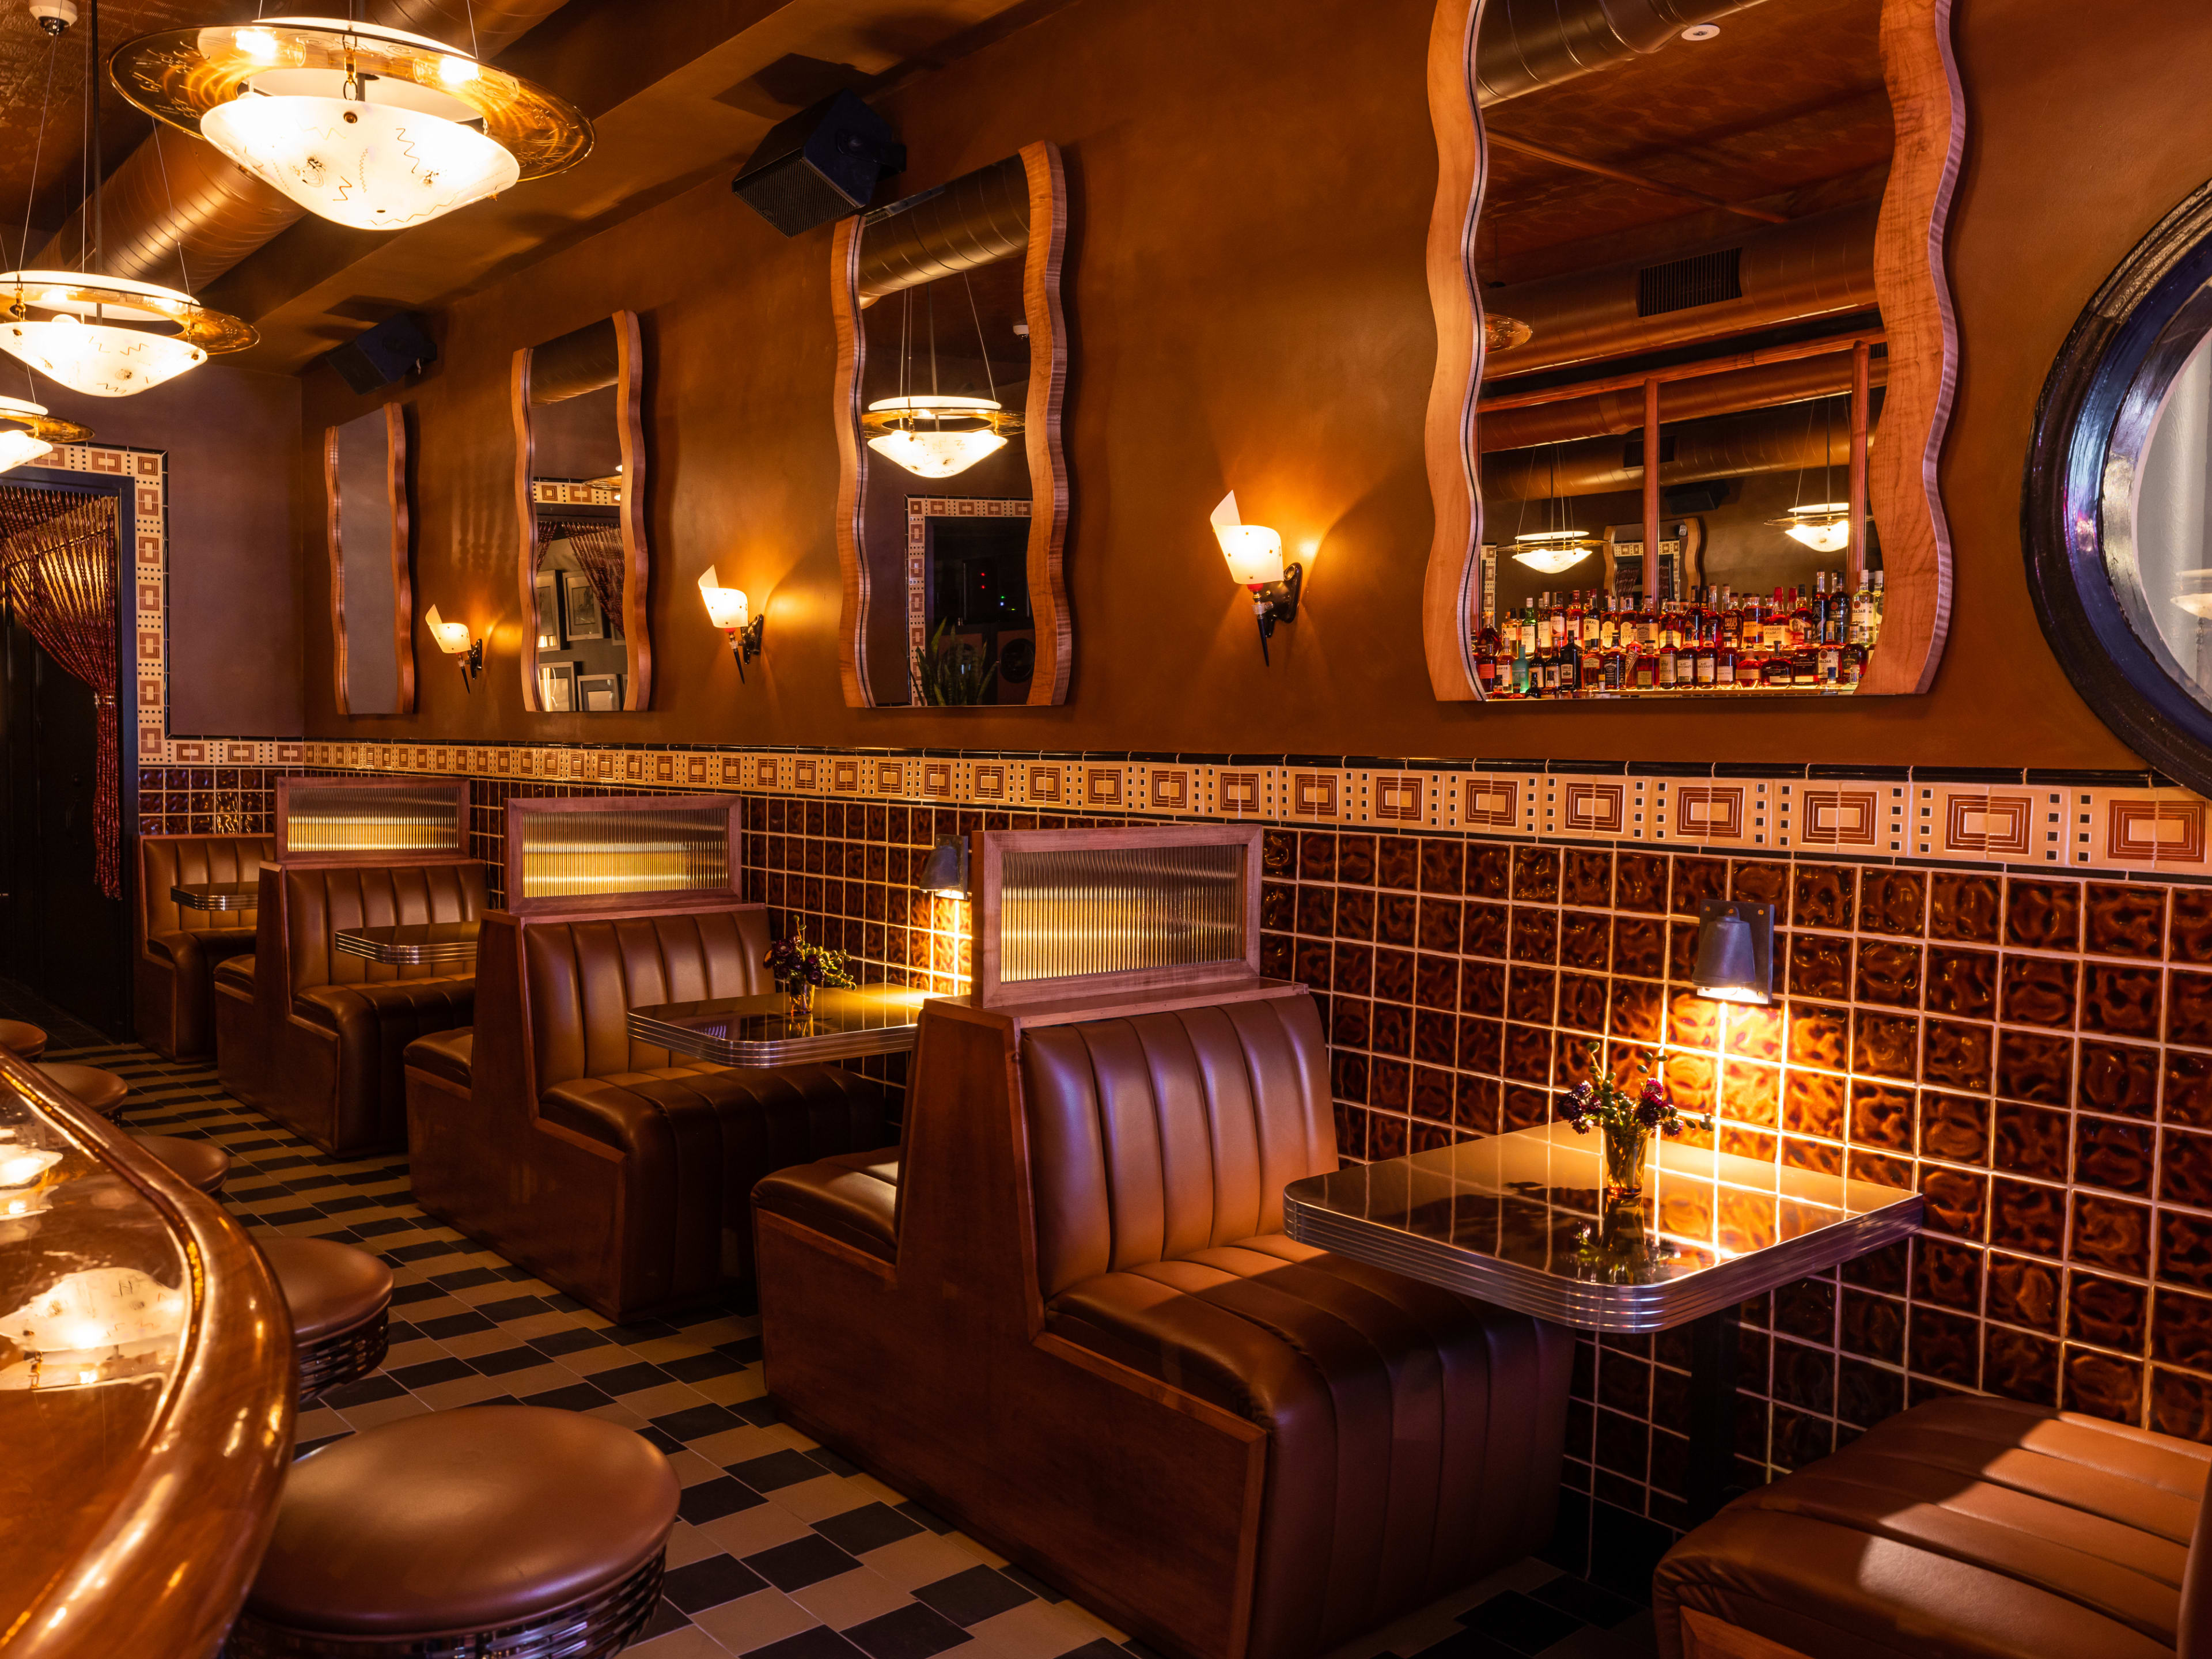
(933, 434)
(1824, 526)
(27, 433)
(108, 337)
(1551, 552)
(366, 127)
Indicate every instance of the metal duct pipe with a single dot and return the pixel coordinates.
(1814, 267)
(1695, 398)
(582, 360)
(1528, 43)
(173, 190)
(1729, 446)
(979, 218)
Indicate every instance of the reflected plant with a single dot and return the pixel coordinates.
(949, 674)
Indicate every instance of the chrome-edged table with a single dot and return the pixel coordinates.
(762, 1030)
(411, 945)
(1521, 1220)
(218, 895)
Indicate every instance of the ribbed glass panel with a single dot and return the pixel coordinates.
(337, 819)
(659, 849)
(1111, 910)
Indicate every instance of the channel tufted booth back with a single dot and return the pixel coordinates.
(321, 901)
(586, 976)
(1169, 1132)
(167, 861)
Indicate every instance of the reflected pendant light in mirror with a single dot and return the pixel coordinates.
(1551, 552)
(366, 127)
(1824, 526)
(936, 434)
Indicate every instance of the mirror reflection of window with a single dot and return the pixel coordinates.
(2173, 525)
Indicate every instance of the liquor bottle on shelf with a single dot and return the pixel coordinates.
(1724, 667)
(1592, 666)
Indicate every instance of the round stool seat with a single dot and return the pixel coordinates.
(95, 1091)
(339, 1298)
(506, 1518)
(200, 1162)
(22, 1039)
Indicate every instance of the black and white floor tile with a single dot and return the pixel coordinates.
(784, 1549)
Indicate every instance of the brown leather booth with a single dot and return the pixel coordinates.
(1964, 1528)
(176, 950)
(315, 1037)
(613, 1169)
(1064, 1312)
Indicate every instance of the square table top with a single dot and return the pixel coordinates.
(218, 895)
(1520, 1219)
(762, 1030)
(410, 943)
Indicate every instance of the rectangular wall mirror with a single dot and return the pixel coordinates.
(1695, 351)
(372, 595)
(579, 475)
(952, 500)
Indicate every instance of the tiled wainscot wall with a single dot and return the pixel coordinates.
(1996, 995)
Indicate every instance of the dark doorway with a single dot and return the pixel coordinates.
(59, 934)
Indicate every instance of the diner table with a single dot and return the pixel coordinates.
(411, 945)
(1521, 1220)
(218, 895)
(763, 1030)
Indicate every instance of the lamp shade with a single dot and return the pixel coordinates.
(453, 637)
(944, 873)
(1735, 953)
(18, 448)
(103, 335)
(1255, 552)
(1825, 527)
(727, 607)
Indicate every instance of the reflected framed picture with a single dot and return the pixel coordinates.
(547, 588)
(556, 687)
(599, 694)
(581, 614)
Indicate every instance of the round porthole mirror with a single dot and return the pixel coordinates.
(2117, 514)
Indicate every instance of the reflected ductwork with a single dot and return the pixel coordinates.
(979, 218)
(1820, 266)
(1697, 399)
(174, 190)
(1526, 45)
(1729, 446)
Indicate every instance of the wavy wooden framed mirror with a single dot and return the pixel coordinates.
(580, 474)
(372, 594)
(1710, 232)
(952, 494)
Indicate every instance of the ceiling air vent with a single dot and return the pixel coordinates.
(1702, 279)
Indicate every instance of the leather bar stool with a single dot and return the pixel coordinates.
(201, 1162)
(22, 1039)
(95, 1091)
(507, 1529)
(340, 1299)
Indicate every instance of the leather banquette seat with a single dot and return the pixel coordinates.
(1963, 1528)
(177, 950)
(611, 1168)
(317, 1038)
(1078, 1326)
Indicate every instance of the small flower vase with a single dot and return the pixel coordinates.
(798, 994)
(1624, 1160)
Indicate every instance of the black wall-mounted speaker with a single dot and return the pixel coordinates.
(821, 164)
(391, 351)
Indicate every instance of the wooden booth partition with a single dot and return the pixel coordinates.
(143, 1465)
(578, 854)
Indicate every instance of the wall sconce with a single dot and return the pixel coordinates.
(453, 639)
(944, 873)
(729, 611)
(1255, 561)
(1735, 952)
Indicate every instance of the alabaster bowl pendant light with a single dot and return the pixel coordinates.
(935, 435)
(1548, 552)
(99, 335)
(27, 433)
(366, 127)
(1824, 526)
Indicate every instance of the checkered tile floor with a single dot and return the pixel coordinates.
(784, 1549)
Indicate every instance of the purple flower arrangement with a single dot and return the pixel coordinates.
(1605, 1104)
(794, 962)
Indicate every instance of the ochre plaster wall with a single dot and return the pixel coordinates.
(1251, 184)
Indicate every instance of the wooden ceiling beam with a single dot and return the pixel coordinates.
(1582, 164)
